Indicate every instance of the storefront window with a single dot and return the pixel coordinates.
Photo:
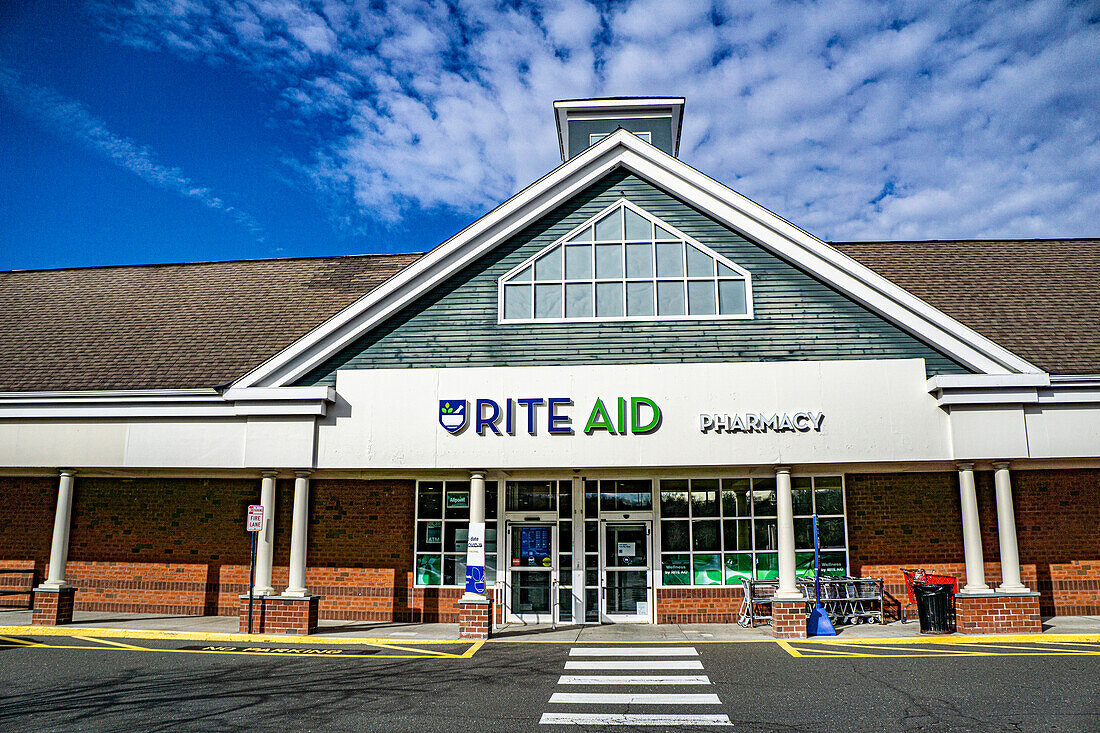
(716, 531)
(442, 526)
(530, 496)
(626, 496)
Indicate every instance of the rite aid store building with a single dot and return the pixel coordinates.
(610, 399)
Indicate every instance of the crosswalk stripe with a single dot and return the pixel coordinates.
(640, 679)
(661, 664)
(666, 720)
(634, 651)
(634, 698)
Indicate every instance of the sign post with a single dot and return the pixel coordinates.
(255, 524)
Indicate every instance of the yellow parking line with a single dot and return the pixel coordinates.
(425, 652)
(98, 644)
(472, 650)
(788, 648)
(111, 643)
(18, 642)
(894, 647)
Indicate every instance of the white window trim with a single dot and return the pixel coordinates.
(658, 568)
(595, 137)
(529, 261)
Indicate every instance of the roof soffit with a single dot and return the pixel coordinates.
(713, 198)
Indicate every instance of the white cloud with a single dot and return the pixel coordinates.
(70, 119)
(855, 119)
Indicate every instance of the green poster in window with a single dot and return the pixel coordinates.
(675, 570)
(833, 563)
(804, 565)
(429, 570)
(767, 566)
(708, 569)
(738, 568)
(458, 499)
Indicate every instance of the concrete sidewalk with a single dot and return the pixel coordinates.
(134, 624)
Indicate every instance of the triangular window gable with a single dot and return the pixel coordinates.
(625, 264)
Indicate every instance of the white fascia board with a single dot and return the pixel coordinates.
(436, 266)
(846, 274)
(288, 401)
(987, 381)
(1014, 389)
(622, 148)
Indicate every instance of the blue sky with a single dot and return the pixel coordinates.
(181, 130)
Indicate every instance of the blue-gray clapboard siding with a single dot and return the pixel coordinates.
(796, 316)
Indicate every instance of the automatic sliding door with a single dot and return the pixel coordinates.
(627, 573)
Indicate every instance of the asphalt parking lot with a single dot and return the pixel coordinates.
(116, 684)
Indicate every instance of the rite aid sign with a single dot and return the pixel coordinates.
(615, 416)
(632, 416)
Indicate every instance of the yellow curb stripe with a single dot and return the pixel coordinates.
(1048, 638)
(99, 633)
(641, 642)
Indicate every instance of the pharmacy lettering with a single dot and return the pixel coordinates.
(614, 416)
(756, 422)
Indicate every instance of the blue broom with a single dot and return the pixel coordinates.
(818, 624)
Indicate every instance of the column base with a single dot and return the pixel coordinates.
(279, 614)
(789, 619)
(997, 613)
(53, 606)
(475, 618)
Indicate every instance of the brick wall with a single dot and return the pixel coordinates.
(179, 546)
(904, 520)
(1076, 588)
(18, 582)
(998, 615)
(704, 605)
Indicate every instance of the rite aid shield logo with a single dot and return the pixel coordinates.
(452, 415)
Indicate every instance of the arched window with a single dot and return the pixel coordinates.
(625, 265)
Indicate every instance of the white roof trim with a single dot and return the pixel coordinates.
(624, 149)
(236, 402)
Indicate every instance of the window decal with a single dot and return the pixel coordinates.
(625, 265)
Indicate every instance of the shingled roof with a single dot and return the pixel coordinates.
(1038, 298)
(169, 326)
(206, 324)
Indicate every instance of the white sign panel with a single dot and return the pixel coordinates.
(475, 558)
(634, 416)
(255, 517)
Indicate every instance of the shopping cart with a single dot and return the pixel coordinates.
(919, 576)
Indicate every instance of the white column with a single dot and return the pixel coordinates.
(298, 525)
(475, 533)
(972, 533)
(265, 541)
(788, 587)
(59, 549)
(1006, 532)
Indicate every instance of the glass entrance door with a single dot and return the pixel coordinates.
(530, 587)
(626, 572)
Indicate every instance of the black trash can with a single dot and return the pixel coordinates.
(935, 607)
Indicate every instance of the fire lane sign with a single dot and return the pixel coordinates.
(255, 517)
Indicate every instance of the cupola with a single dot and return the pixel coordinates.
(584, 122)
